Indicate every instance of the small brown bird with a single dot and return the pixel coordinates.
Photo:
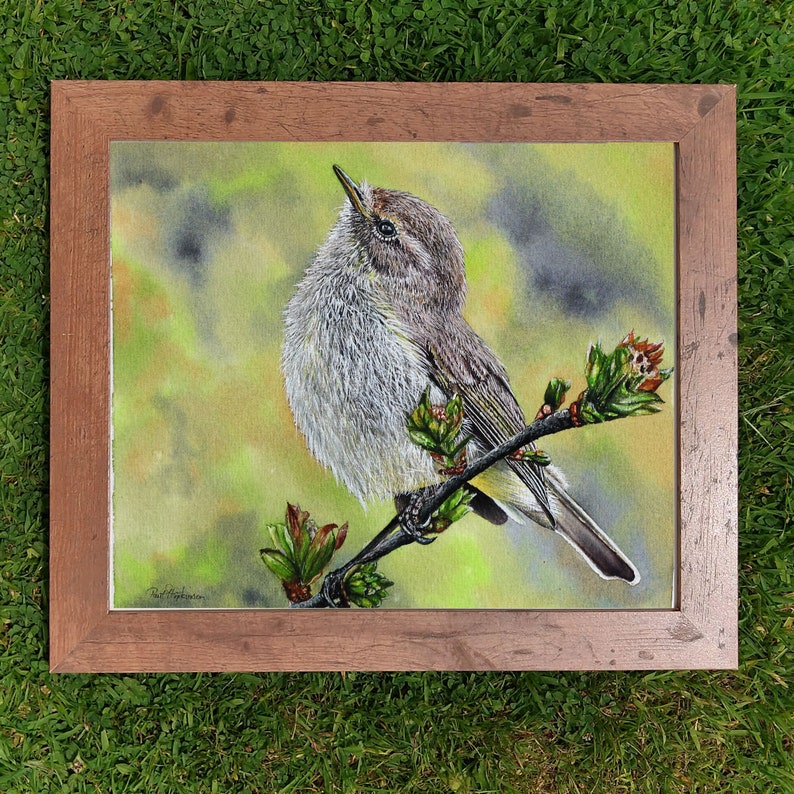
(377, 319)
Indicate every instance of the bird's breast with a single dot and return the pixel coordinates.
(353, 374)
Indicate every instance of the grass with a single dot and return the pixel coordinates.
(529, 732)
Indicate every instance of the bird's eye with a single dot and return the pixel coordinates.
(386, 229)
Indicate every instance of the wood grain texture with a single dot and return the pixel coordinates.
(85, 635)
(707, 367)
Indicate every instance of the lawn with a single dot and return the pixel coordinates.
(435, 732)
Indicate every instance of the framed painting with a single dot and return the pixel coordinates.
(392, 376)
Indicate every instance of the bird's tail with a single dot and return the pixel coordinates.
(598, 549)
(515, 500)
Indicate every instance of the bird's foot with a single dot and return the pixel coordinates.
(410, 520)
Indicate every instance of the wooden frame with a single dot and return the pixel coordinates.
(86, 635)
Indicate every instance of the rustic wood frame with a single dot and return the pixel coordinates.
(87, 636)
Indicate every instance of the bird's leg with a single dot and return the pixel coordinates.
(410, 506)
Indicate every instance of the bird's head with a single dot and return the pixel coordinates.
(411, 249)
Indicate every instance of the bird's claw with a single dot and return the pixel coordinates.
(409, 518)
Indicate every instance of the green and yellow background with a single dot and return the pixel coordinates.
(565, 244)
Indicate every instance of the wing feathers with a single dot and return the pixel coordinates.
(460, 362)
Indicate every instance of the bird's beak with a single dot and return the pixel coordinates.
(353, 193)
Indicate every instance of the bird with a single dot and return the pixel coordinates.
(374, 322)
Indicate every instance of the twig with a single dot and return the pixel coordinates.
(394, 535)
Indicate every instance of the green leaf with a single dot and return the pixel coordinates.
(317, 558)
(279, 565)
(303, 545)
(555, 392)
(452, 509)
(439, 436)
(281, 538)
(614, 386)
(455, 406)
(460, 446)
(366, 587)
(320, 536)
(595, 360)
(423, 439)
(537, 457)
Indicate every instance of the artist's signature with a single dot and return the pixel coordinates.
(171, 593)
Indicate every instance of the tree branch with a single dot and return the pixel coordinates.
(394, 535)
(620, 383)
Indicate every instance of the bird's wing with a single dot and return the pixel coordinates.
(460, 362)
